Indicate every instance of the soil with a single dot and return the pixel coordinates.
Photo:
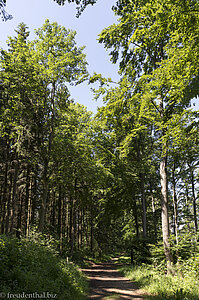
(107, 283)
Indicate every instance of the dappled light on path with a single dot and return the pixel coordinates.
(107, 283)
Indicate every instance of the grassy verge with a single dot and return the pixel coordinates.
(32, 266)
(161, 286)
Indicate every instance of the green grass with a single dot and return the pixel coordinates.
(161, 286)
(33, 265)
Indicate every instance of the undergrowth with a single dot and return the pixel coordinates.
(32, 265)
(164, 287)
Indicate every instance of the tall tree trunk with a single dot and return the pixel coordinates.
(72, 226)
(29, 207)
(60, 208)
(46, 162)
(19, 216)
(14, 189)
(153, 210)
(34, 198)
(4, 196)
(53, 207)
(164, 194)
(143, 199)
(8, 208)
(194, 200)
(142, 184)
(91, 233)
(27, 200)
(175, 208)
(165, 216)
(187, 207)
(135, 214)
(44, 198)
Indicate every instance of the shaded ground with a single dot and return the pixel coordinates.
(107, 283)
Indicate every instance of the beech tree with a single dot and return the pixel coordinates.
(108, 181)
(143, 41)
(58, 67)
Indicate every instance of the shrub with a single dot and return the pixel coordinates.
(32, 265)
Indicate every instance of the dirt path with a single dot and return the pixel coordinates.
(107, 283)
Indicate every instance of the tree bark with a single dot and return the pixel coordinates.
(194, 201)
(165, 216)
(135, 214)
(44, 198)
(14, 189)
(175, 208)
(164, 194)
(153, 210)
(143, 199)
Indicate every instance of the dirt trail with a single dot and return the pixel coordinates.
(107, 283)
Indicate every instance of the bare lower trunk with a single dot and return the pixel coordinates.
(44, 199)
(13, 206)
(165, 217)
(135, 214)
(91, 235)
(143, 199)
(60, 208)
(175, 208)
(194, 201)
(153, 210)
(43, 206)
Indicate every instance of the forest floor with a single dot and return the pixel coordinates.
(107, 283)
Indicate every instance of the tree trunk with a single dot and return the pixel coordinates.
(8, 208)
(187, 208)
(164, 194)
(194, 201)
(72, 226)
(14, 189)
(175, 208)
(153, 210)
(44, 198)
(135, 214)
(165, 217)
(46, 162)
(4, 197)
(29, 208)
(27, 201)
(91, 234)
(143, 199)
(60, 208)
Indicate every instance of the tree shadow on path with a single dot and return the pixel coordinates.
(107, 283)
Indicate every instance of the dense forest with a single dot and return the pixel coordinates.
(124, 180)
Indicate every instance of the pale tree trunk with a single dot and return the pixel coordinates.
(29, 209)
(153, 210)
(135, 214)
(143, 199)
(142, 189)
(165, 217)
(187, 207)
(164, 197)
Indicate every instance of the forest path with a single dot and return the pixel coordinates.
(107, 283)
